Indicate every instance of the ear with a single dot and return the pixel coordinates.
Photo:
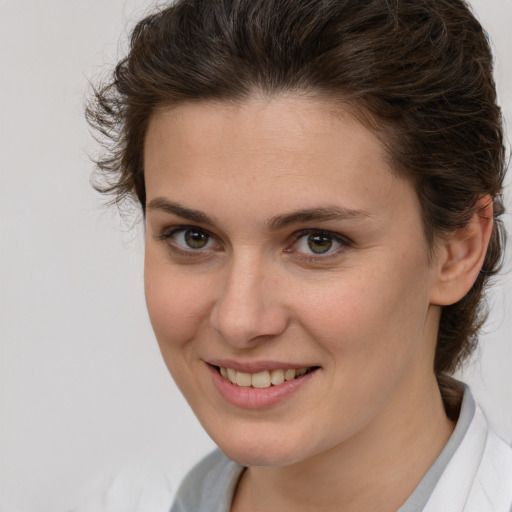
(460, 256)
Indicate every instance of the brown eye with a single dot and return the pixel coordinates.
(319, 243)
(196, 239)
(191, 240)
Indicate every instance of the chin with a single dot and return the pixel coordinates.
(257, 457)
(261, 450)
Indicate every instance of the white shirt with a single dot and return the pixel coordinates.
(473, 473)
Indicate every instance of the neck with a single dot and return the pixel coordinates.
(377, 469)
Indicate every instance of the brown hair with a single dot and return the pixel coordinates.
(420, 72)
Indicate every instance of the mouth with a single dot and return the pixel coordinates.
(260, 384)
(263, 379)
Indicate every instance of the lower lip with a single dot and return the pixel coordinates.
(256, 398)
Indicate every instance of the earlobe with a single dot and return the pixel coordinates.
(461, 255)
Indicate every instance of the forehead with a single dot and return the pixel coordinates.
(269, 154)
(282, 128)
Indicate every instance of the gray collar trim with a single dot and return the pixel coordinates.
(421, 494)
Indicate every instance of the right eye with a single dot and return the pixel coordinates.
(190, 240)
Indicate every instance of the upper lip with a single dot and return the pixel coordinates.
(256, 366)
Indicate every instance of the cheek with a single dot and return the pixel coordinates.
(177, 305)
(369, 315)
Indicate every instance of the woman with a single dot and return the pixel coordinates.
(321, 186)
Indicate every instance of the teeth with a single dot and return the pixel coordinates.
(243, 379)
(289, 374)
(231, 375)
(263, 379)
(277, 377)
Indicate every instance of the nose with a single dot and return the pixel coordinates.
(247, 308)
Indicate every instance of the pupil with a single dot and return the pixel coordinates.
(319, 243)
(196, 239)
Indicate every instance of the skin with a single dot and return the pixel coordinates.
(364, 429)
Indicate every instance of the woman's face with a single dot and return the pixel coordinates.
(278, 239)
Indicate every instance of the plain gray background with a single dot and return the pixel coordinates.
(83, 390)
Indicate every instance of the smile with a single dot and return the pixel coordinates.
(262, 384)
(263, 379)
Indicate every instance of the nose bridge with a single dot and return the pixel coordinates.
(247, 306)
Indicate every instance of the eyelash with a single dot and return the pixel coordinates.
(343, 242)
(168, 235)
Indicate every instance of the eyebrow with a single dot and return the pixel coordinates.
(162, 204)
(275, 223)
(316, 215)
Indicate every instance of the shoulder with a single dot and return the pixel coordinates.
(209, 486)
(492, 487)
(478, 478)
(135, 487)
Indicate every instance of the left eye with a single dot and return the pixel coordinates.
(318, 243)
